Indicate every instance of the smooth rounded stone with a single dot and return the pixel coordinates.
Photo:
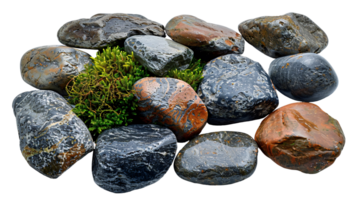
(207, 40)
(301, 136)
(236, 89)
(52, 67)
(288, 34)
(171, 103)
(159, 55)
(303, 77)
(132, 157)
(103, 30)
(217, 158)
(52, 137)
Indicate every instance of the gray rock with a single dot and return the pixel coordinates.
(159, 55)
(288, 34)
(217, 158)
(236, 89)
(52, 67)
(103, 30)
(303, 77)
(132, 157)
(52, 137)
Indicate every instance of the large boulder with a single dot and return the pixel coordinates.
(52, 137)
(132, 157)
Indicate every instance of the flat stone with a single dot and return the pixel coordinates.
(301, 136)
(236, 89)
(284, 35)
(103, 30)
(207, 40)
(303, 77)
(52, 67)
(159, 55)
(217, 158)
(171, 103)
(52, 137)
(132, 157)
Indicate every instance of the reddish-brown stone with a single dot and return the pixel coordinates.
(171, 103)
(302, 137)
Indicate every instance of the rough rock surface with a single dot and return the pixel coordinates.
(207, 40)
(171, 103)
(217, 158)
(52, 137)
(103, 30)
(236, 89)
(159, 55)
(303, 77)
(289, 34)
(302, 137)
(51, 67)
(132, 157)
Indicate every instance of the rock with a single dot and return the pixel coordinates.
(207, 40)
(159, 55)
(236, 89)
(289, 34)
(217, 158)
(52, 137)
(103, 30)
(171, 103)
(132, 157)
(52, 67)
(301, 136)
(303, 77)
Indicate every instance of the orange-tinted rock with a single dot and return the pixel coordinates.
(171, 103)
(302, 137)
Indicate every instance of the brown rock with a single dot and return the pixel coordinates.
(206, 39)
(302, 137)
(171, 103)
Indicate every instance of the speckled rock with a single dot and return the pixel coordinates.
(217, 158)
(132, 157)
(51, 67)
(301, 136)
(289, 34)
(303, 77)
(207, 40)
(236, 89)
(52, 137)
(159, 55)
(171, 103)
(103, 30)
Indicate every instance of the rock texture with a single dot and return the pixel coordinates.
(207, 40)
(289, 34)
(217, 158)
(303, 77)
(236, 89)
(302, 137)
(132, 157)
(103, 30)
(159, 55)
(51, 67)
(52, 137)
(171, 103)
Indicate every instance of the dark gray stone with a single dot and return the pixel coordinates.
(132, 157)
(236, 89)
(159, 55)
(52, 137)
(303, 77)
(217, 158)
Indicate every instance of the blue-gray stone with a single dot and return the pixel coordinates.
(217, 158)
(132, 157)
(303, 77)
(236, 89)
